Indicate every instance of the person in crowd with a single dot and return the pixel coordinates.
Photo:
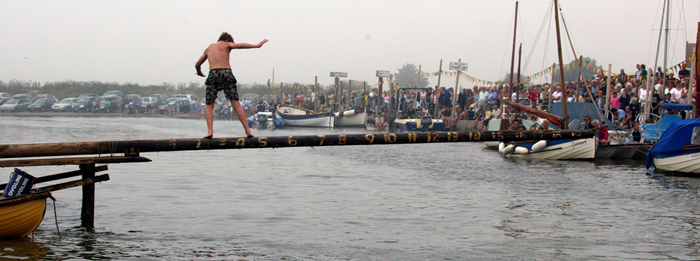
(614, 101)
(684, 74)
(602, 135)
(638, 135)
(480, 116)
(587, 125)
(483, 99)
(516, 126)
(557, 94)
(625, 98)
(633, 108)
(380, 122)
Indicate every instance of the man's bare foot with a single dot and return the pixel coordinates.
(249, 134)
(209, 135)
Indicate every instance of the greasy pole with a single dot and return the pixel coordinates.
(129, 147)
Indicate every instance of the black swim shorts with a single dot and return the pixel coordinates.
(221, 79)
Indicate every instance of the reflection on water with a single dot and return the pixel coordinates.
(390, 202)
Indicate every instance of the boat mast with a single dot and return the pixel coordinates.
(517, 91)
(561, 67)
(512, 59)
(696, 72)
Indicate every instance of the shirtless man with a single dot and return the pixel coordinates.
(221, 78)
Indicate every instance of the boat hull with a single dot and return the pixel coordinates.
(621, 151)
(686, 163)
(293, 116)
(351, 118)
(404, 125)
(579, 149)
(21, 219)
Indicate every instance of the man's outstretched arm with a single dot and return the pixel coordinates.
(247, 45)
(199, 63)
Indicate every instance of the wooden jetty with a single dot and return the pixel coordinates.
(109, 152)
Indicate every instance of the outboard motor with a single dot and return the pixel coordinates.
(425, 122)
(262, 120)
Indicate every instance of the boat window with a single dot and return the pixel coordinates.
(695, 140)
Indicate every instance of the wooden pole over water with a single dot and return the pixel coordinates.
(131, 147)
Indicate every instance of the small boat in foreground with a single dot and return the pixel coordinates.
(576, 149)
(265, 120)
(21, 215)
(298, 116)
(678, 148)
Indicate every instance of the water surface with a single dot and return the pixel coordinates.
(385, 202)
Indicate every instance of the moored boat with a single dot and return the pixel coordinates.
(297, 116)
(265, 120)
(578, 149)
(21, 215)
(422, 124)
(678, 148)
(351, 118)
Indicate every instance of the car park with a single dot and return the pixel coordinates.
(64, 105)
(43, 104)
(4, 97)
(85, 104)
(15, 105)
(109, 103)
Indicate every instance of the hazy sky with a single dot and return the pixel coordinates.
(151, 42)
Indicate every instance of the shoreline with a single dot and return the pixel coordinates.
(91, 114)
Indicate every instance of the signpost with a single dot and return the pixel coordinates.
(337, 75)
(460, 66)
(382, 73)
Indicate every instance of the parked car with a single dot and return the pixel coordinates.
(161, 99)
(184, 105)
(15, 105)
(88, 95)
(86, 104)
(119, 94)
(148, 101)
(109, 103)
(132, 97)
(4, 97)
(189, 96)
(250, 97)
(64, 105)
(43, 104)
(22, 96)
(46, 96)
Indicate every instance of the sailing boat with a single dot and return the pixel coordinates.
(573, 149)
